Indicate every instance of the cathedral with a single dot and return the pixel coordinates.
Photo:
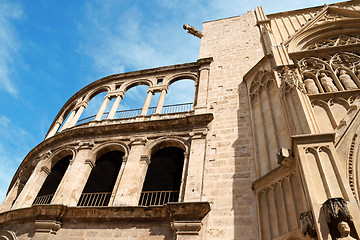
(269, 148)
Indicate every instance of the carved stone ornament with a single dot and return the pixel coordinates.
(341, 40)
(338, 72)
(307, 224)
(47, 226)
(333, 207)
(7, 235)
(290, 78)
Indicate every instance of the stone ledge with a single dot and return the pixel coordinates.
(190, 211)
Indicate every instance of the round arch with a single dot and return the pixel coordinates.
(103, 148)
(91, 94)
(128, 85)
(164, 142)
(181, 76)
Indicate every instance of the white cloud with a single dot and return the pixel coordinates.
(8, 44)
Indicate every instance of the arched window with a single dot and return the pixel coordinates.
(163, 177)
(52, 181)
(100, 184)
(180, 96)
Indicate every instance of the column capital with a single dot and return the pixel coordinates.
(45, 169)
(138, 141)
(186, 227)
(145, 158)
(85, 145)
(158, 88)
(81, 104)
(116, 93)
(90, 162)
(198, 133)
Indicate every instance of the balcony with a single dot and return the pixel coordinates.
(176, 108)
(94, 199)
(43, 200)
(158, 198)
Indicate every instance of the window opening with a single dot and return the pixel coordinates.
(163, 177)
(52, 181)
(100, 184)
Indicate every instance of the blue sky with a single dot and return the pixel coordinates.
(51, 49)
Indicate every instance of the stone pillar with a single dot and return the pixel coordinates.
(34, 184)
(129, 190)
(55, 128)
(75, 178)
(146, 103)
(102, 108)
(195, 166)
(79, 111)
(161, 101)
(323, 178)
(115, 106)
(10, 197)
(186, 230)
(202, 86)
(68, 121)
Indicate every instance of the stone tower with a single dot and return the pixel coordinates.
(268, 149)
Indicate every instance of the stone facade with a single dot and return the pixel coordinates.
(269, 148)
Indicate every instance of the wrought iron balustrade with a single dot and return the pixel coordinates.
(94, 199)
(42, 200)
(175, 108)
(158, 198)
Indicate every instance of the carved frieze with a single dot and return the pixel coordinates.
(332, 73)
(341, 40)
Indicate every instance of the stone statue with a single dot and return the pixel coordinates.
(344, 230)
(327, 82)
(311, 86)
(347, 81)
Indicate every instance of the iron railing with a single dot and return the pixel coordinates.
(94, 199)
(158, 198)
(42, 200)
(175, 108)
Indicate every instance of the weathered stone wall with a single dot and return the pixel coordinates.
(234, 43)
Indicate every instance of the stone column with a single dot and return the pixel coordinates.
(55, 128)
(323, 178)
(115, 106)
(10, 197)
(195, 166)
(186, 230)
(75, 178)
(202, 86)
(102, 108)
(146, 103)
(34, 184)
(79, 111)
(161, 101)
(129, 190)
(68, 121)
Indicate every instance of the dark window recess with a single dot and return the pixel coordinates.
(101, 181)
(159, 81)
(52, 181)
(163, 177)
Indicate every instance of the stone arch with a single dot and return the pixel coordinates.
(91, 94)
(126, 86)
(323, 32)
(60, 153)
(103, 148)
(179, 77)
(163, 142)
